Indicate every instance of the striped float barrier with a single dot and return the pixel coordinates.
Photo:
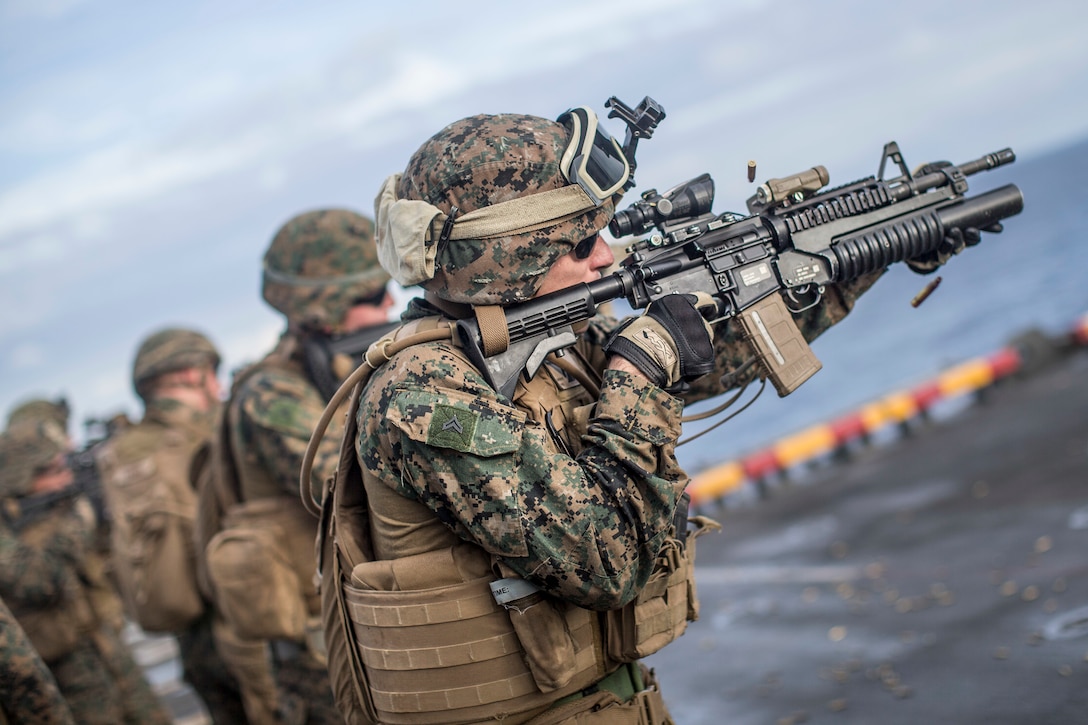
(896, 408)
(1080, 331)
(965, 378)
(718, 482)
(804, 446)
(760, 465)
(848, 429)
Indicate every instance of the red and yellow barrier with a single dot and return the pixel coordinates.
(1080, 331)
(896, 408)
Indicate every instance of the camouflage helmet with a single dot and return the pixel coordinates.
(168, 350)
(319, 265)
(484, 160)
(26, 450)
(41, 409)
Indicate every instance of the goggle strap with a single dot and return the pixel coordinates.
(517, 216)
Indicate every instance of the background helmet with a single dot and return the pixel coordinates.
(38, 409)
(169, 350)
(484, 160)
(27, 449)
(319, 265)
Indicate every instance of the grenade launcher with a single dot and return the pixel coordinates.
(760, 268)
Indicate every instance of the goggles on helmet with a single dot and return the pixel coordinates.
(593, 159)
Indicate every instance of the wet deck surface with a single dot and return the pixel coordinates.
(939, 579)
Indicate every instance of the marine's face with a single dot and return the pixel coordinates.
(570, 270)
(212, 386)
(54, 477)
(360, 316)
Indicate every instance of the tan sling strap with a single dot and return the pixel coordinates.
(493, 330)
(352, 693)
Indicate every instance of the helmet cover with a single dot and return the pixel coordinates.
(26, 450)
(41, 409)
(168, 350)
(484, 160)
(319, 265)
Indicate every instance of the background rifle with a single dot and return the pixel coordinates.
(762, 267)
(86, 481)
(331, 358)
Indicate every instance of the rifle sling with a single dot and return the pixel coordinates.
(494, 333)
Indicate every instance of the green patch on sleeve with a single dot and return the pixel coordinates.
(452, 427)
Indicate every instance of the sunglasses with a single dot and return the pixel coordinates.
(584, 248)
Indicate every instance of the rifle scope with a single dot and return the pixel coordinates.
(688, 200)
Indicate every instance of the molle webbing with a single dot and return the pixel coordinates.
(668, 601)
(457, 638)
(662, 609)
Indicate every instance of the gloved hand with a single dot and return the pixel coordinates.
(955, 241)
(671, 341)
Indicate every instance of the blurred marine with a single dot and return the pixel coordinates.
(320, 272)
(30, 690)
(146, 473)
(48, 580)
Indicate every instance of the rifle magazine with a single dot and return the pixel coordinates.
(782, 350)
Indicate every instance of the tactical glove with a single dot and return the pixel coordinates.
(955, 241)
(670, 342)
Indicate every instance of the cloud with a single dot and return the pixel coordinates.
(32, 252)
(26, 355)
(245, 127)
(38, 9)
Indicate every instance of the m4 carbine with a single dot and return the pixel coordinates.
(760, 268)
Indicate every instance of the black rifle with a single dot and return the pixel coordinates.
(321, 354)
(85, 480)
(761, 267)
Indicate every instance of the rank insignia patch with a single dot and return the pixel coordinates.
(452, 428)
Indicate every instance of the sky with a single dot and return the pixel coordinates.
(149, 151)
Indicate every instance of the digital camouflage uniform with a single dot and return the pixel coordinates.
(573, 484)
(155, 456)
(104, 595)
(45, 580)
(30, 692)
(319, 264)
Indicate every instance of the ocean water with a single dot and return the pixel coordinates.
(1033, 275)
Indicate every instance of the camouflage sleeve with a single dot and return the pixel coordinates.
(586, 529)
(39, 574)
(30, 690)
(277, 413)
